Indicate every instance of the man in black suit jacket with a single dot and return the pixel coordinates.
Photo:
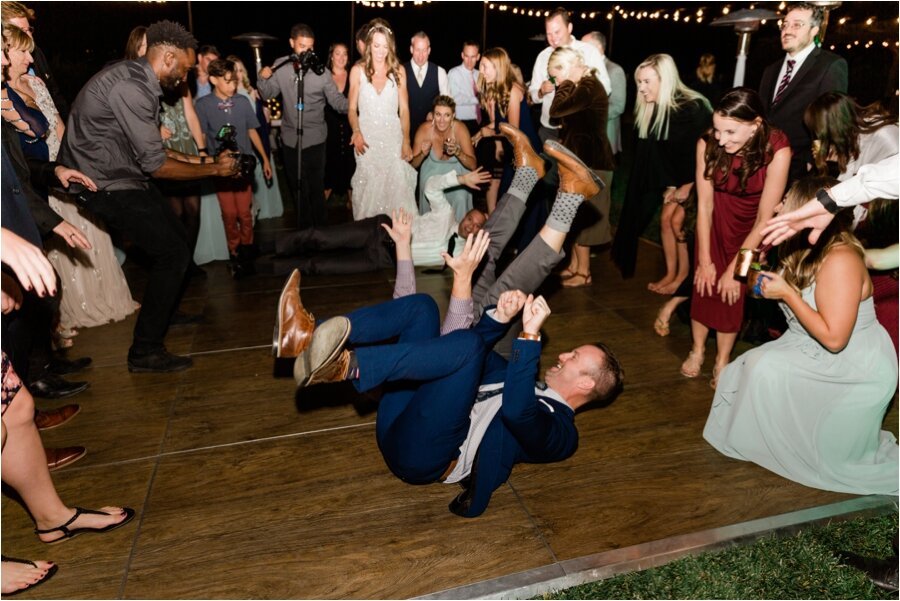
(807, 72)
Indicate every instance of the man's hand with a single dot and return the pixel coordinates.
(535, 313)
(67, 175)
(72, 235)
(164, 132)
(267, 169)
(508, 305)
(811, 215)
(265, 73)
(29, 264)
(400, 229)
(227, 165)
(546, 88)
(467, 262)
(473, 179)
(12, 294)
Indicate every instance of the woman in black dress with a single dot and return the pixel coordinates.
(339, 161)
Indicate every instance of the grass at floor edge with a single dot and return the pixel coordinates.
(804, 565)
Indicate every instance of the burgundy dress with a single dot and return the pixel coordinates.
(734, 213)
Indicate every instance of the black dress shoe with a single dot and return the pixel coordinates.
(61, 367)
(161, 361)
(50, 386)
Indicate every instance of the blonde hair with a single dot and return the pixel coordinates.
(16, 39)
(568, 58)
(15, 10)
(244, 78)
(393, 65)
(800, 261)
(499, 90)
(706, 68)
(653, 117)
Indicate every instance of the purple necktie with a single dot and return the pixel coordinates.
(784, 80)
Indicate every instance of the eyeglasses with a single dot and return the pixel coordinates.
(793, 25)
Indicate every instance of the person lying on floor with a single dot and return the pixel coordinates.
(526, 272)
(454, 411)
(364, 245)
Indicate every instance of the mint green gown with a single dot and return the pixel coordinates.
(810, 415)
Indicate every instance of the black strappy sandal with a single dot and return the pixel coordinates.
(67, 534)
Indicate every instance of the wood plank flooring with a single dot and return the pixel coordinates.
(242, 491)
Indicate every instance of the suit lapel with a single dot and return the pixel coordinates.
(808, 66)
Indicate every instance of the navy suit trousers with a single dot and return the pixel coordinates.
(430, 383)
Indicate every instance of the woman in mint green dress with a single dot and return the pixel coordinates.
(809, 405)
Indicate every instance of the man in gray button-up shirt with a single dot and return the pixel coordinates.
(281, 79)
(113, 136)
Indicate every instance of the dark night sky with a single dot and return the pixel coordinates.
(79, 37)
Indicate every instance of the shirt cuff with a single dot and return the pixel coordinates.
(405, 284)
(460, 315)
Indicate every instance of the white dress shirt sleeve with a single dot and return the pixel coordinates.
(878, 180)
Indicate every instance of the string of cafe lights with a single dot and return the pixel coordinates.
(393, 4)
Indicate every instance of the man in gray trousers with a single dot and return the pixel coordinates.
(282, 79)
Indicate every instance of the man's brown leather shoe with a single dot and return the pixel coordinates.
(574, 176)
(525, 156)
(294, 325)
(325, 360)
(58, 458)
(47, 420)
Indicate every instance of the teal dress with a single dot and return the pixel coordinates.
(810, 415)
(459, 197)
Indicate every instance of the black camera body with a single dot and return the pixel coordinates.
(309, 61)
(227, 139)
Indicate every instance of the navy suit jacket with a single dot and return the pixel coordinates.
(821, 72)
(524, 430)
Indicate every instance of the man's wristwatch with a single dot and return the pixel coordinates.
(527, 336)
(827, 201)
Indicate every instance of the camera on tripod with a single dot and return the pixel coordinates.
(227, 139)
(309, 61)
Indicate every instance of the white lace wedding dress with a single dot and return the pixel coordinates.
(382, 181)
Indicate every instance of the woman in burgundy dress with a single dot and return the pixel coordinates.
(744, 162)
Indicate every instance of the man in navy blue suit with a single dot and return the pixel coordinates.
(453, 410)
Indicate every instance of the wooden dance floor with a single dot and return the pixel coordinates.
(241, 491)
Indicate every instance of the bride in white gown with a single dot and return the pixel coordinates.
(384, 179)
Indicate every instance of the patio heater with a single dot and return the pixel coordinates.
(256, 41)
(745, 22)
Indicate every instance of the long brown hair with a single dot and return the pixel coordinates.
(837, 122)
(499, 90)
(393, 65)
(133, 45)
(800, 261)
(741, 104)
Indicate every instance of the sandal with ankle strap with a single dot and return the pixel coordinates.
(578, 280)
(692, 365)
(69, 534)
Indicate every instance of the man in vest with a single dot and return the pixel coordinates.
(424, 81)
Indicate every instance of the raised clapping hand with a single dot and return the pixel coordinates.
(473, 179)
(29, 264)
(508, 305)
(811, 215)
(400, 229)
(535, 313)
(467, 262)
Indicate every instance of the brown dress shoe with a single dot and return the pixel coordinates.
(525, 156)
(47, 420)
(58, 458)
(574, 176)
(325, 360)
(294, 325)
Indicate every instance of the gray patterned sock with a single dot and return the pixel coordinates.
(563, 212)
(524, 179)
